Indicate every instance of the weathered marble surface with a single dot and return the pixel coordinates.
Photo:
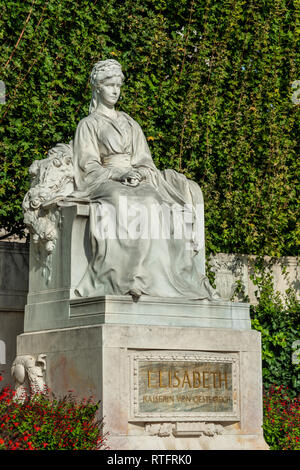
(14, 273)
(98, 360)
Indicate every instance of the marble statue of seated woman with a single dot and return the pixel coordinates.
(113, 167)
(146, 226)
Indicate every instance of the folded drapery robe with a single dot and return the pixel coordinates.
(122, 263)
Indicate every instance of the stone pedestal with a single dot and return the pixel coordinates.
(161, 387)
(170, 373)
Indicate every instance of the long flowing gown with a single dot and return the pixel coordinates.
(125, 257)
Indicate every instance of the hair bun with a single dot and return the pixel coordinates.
(105, 69)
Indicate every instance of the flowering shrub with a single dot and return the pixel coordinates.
(281, 419)
(41, 423)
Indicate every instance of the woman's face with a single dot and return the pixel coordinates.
(110, 91)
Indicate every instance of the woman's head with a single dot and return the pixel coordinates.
(105, 69)
(103, 72)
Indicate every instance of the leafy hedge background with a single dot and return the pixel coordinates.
(209, 82)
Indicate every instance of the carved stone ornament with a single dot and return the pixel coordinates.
(183, 429)
(229, 273)
(52, 180)
(159, 429)
(29, 375)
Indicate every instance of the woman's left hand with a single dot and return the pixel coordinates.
(131, 178)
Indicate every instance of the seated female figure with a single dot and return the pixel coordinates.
(138, 215)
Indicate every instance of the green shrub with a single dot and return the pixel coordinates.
(278, 320)
(209, 82)
(41, 423)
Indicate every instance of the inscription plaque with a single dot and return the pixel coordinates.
(188, 386)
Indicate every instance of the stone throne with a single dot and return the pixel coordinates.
(60, 253)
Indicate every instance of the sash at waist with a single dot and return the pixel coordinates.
(120, 160)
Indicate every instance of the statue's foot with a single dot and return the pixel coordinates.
(136, 294)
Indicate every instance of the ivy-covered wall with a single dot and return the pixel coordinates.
(209, 81)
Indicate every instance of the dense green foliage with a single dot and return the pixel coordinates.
(44, 423)
(209, 82)
(278, 320)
